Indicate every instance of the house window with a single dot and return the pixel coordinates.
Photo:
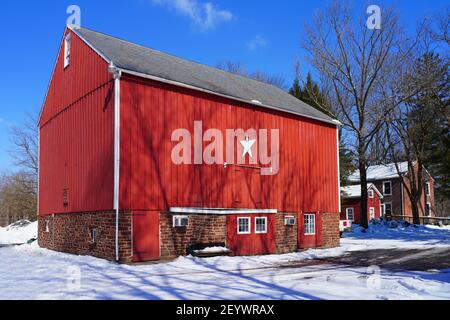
(427, 188)
(261, 225)
(387, 188)
(310, 224)
(388, 209)
(372, 213)
(350, 214)
(47, 226)
(67, 51)
(370, 192)
(428, 209)
(243, 225)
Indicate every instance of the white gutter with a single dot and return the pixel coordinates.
(221, 211)
(117, 74)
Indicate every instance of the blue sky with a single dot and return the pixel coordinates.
(263, 35)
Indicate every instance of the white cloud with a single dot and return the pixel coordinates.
(205, 15)
(257, 42)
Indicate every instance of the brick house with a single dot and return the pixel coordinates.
(114, 184)
(351, 203)
(395, 198)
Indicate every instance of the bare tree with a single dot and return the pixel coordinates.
(354, 63)
(25, 149)
(240, 69)
(413, 126)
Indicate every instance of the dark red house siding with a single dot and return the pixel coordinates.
(76, 132)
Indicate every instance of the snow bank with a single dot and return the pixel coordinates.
(18, 233)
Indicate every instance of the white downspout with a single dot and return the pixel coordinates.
(117, 74)
(338, 169)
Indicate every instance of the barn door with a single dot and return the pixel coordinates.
(310, 230)
(247, 187)
(145, 236)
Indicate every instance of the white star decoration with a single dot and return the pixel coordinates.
(247, 145)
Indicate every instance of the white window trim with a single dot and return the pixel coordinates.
(372, 209)
(265, 223)
(249, 225)
(370, 192)
(67, 50)
(353, 212)
(384, 190)
(427, 189)
(310, 215)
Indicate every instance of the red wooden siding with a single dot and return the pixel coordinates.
(252, 243)
(151, 111)
(77, 135)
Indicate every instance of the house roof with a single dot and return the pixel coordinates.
(355, 191)
(139, 60)
(379, 172)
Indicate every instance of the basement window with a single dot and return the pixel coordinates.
(243, 225)
(67, 50)
(310, 224)
(47, 226)
(94, 235)
(261, 225)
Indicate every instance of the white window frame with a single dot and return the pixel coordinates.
(265, 224)
(370, 192)
(47, 226)
(67, 49)
(94, 235)
(384, 189)
(428, 212)
(372, 213)
(353, 213)
(427, 189)
(306, 218)
(249, 225)
(387, 203)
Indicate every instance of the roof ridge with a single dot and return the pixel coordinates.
(185, 59)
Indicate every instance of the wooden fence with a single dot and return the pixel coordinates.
(426, 220)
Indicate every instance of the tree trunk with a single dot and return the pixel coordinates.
(415, 207)
(363, 180)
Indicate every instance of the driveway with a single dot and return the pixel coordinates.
(397, 259)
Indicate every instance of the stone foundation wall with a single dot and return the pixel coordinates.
(72, 233)
(202, 229)
(330, 229)
(286, 236)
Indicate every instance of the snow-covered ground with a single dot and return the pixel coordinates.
(14, 234)
(30, 272)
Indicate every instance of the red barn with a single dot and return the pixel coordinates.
(351, 203)
(146, 156)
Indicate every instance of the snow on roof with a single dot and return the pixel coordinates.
(384, 171)
(355, 191)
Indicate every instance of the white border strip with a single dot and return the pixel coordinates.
(221, 211)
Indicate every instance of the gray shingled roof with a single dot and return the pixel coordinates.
(136, 58)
